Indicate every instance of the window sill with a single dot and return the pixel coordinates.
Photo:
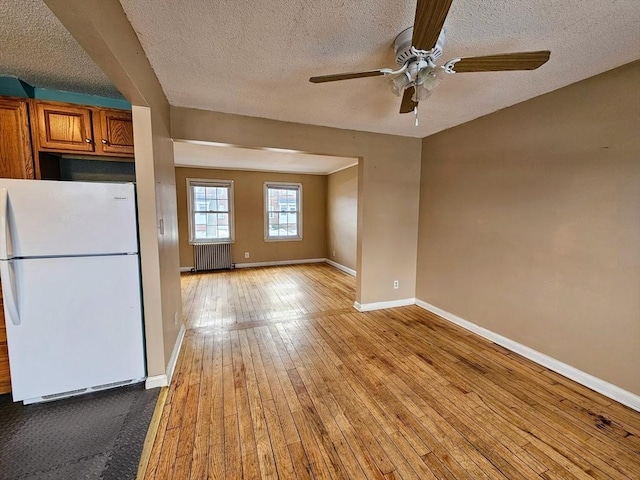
(287, 239)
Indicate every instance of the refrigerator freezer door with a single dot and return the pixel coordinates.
(47, 218)
(80, 324)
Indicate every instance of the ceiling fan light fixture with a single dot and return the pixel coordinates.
(421, 93)
(429, 77)
(399, 83)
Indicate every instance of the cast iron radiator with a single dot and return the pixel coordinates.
(211, 256)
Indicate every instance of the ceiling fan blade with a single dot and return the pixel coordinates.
(346, 76)
(503, 62)
(407, 104)
(430, 16)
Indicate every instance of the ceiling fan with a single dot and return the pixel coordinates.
(418, 48)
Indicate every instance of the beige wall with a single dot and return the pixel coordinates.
(388, 187)
(249, 215)
(342, 217)
(530, 224)
(102, 29)
(158, 226)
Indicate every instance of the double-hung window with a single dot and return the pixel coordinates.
(210, 210)
(282, 211)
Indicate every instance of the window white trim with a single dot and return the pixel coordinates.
(288, 185)
(207, 182)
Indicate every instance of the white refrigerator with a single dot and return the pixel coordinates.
(71, 287)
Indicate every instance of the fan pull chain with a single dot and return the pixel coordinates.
(415, 110)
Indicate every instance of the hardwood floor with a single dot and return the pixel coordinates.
(279, 377)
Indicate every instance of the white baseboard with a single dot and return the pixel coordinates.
(156, 381)
(174, 354)
(285, 262)
(280, 262)
(164, 380)
(341, 267)
(367, 307)
(614, 392)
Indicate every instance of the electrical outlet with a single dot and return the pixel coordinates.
(396, 284)
(334, 253)
(246, 254)
(175, 318)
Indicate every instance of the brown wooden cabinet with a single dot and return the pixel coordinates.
(16, 155)
(67, 128)
(64, 127)
(116, 132)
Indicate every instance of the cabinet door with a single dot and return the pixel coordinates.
(64, 128)
(16, 158)
(116, 132)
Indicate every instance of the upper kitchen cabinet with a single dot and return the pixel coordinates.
(16, 157)
(66, 128)
(116, 129)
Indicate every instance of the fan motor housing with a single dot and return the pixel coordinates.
(402, 47)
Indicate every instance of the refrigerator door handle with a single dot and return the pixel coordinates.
(4, 223)
(5, 270)
(8, 292)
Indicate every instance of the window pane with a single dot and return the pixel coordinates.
(211, 211)
(209, 195)
(200, 225)
(212, 205)
(222, 219)
(274, 226)
(210, 199)
(282, 211)
(212, 226)
(284, 223)
(199, 203)
(223, 231)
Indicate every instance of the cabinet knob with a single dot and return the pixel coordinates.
(88, 140)
(104, 141)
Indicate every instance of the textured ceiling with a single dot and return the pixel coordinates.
(255, 58)
(205, 154)
(35, 47)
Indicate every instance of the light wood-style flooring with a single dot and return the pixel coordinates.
(279, 377)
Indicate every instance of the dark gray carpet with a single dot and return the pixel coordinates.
(94, 436)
